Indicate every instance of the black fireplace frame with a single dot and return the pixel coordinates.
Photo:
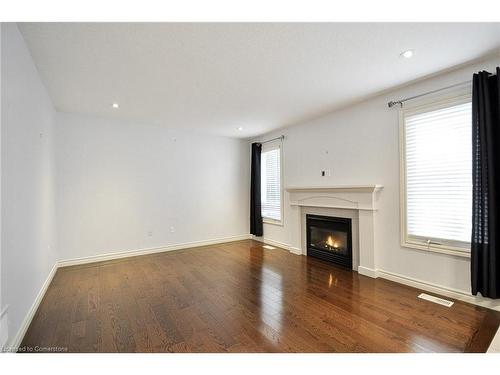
(341, 260)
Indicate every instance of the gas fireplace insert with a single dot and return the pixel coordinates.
(330, 238)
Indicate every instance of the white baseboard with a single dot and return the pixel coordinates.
(295, 250)
(151, 250)
(460, 295)
(16, 342)
(370, 272)
(292, 249)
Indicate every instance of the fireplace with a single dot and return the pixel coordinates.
(330, 238)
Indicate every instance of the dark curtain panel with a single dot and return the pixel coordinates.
(485, 250)
(255, 204)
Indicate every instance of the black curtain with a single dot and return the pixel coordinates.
(255, 203)
(485, 250)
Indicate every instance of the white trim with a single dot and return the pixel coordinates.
(456, 97)
(440, 289)
(16, 342)
(295, 250)
(442, 249)
(271, 242)
(151, 250)
(302, 204)
(337, 188)
(365, 271)
(350, 197)
(268, 220)
(282, 245)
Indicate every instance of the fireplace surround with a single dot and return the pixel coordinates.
(330, 238)
(358, 202)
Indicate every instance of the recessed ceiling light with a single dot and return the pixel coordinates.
(407, 54)
(240, 128)
(115, 105)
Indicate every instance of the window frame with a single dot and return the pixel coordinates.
(268, 147)
(456, 248)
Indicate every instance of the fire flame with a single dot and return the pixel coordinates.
(331, 242)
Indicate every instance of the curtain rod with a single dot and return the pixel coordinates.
(392, 103)
(274, 139)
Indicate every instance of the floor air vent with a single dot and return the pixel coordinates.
(437, 300)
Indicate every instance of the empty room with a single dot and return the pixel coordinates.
(260, 187)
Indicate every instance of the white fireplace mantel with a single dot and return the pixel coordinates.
(356, 197)
(357, 188)
(361, 198)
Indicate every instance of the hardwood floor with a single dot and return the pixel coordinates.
(239, 297)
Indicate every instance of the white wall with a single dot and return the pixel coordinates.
(27, 177)
(117, 181)
(360, 145)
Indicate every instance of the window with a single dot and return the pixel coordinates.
(271, 182)
(436, 169)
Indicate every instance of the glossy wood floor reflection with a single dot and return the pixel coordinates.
(239, 297)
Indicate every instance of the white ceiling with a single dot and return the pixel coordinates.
(214, 78)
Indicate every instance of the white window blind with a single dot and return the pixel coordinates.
(438, 149)
(271, 183)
